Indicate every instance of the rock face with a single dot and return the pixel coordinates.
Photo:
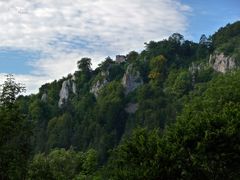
(68, 86)
(64, 93)
(131, 79)
(205, 41)
(99, 84)
(222, 63)
(131, 108)
(44, 97)
(194, 69)
(74, 86)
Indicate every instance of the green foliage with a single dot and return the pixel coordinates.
(202, 144)
(157, 67)
(59, 132)
(132, 57)
(110, 104)
(152, 104)
(227, 33)
(207, 143)
(14, 133)
(179, 83)
(135, 158)
(9, 91)
(40, 168)
(176, 37)
(195, 108)
(227, 40)
(105, 65)
(110, 115)
(63, 164)
(84, 64)
(206, 134)
(116, 72)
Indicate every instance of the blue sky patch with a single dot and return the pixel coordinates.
(17, 61)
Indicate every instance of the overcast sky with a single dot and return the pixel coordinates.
(41, 40)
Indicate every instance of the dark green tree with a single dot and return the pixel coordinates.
(84, 64)
(15, 133)
(61, 164)
(9, 91)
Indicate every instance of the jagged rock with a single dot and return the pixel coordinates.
(205, 41)
(194, 69)
(131, 108)
(98, 86)
(100, 83)
(105, 74)
(74, 86)
(64, 92)
(73, 78)
(44, 97)
(222, 63)
(67, 87)
(131, 79)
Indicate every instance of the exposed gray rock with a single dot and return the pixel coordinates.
(105, 74)
(194, 70)
(68, 86)
(64, 92)
(205, 41)
(222, 63)
(98, 86)
(44, 97)
(100, 83)
(131, 79)
(74, 87)
(73, 78)
(131, 108)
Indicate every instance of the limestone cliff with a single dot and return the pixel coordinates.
(131, 79)
(44, 97)
(222, 63)
(68, 86)
(100, 83)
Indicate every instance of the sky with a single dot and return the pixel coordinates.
(42, 40)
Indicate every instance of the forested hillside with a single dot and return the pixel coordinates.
(171, 111)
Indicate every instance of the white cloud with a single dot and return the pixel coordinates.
(67, 30)
(31, 82)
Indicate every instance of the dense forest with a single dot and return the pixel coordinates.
(169, 112)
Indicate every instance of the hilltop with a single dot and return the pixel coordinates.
(168, 112)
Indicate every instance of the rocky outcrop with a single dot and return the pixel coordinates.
(222, 63)
(100, 83)
(74, 86)
(64, 93)
(205, 41)
(44, 97)
(131, 79)
(131, 108)
(68, 86)
(194, 69)
(98, 86)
